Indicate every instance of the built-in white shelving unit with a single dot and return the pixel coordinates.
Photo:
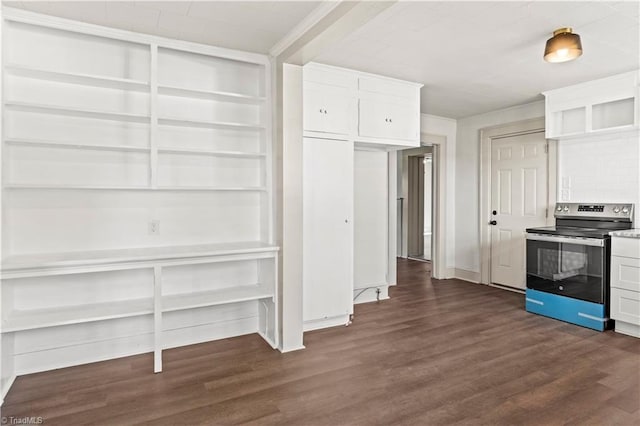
(608, 105)
(136, 195)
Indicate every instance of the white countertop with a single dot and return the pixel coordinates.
(626, 233)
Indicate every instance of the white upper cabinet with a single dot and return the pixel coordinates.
(365, 108)
(329, 100)
(326, 108)
(382, 118)
(605, 105)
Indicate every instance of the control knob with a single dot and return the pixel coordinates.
(616, 209)
(559, 208)
(566, 208)
(625, 210)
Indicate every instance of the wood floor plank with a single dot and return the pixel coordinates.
(437, 352)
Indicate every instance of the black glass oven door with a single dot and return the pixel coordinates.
(572, 267)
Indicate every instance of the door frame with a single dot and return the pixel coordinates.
(487, 135)
(437, 145)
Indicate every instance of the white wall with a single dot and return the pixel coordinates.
(602, 169)
(466, 178)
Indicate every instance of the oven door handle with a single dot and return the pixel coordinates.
(594, 242)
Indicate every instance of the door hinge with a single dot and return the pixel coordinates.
(546, 148)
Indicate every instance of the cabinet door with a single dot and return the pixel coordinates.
(625, 306)
(313, 107)
(403, 122)
(337, 110)
(374, 118)
(327, 108)
(327, 228)
(625, 272)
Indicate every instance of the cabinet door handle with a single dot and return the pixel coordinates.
(390, 121)
(320, 110)
(386, 120)
(325, 111)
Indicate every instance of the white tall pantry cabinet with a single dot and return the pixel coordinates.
(136, 195)
(353, 123)
(327, 223)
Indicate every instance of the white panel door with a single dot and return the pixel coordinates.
(327, 228)
(518, 201)
(370, 219)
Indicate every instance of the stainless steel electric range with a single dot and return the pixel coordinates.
(568, 264)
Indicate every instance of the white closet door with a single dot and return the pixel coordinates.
(327, 228)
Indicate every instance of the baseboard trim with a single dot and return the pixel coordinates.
(6, 385)
(464, 275)
(506, 287)
(342, 320)
(292, 349)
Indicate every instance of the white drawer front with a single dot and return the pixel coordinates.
(627, 247)
(625, 273)
(625, 306)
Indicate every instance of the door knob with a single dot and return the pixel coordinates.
(493, 222)
(494, 212)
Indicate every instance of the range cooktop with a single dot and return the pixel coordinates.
(571, 231)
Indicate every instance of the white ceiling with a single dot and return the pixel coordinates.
(473, 57)
(253, 26)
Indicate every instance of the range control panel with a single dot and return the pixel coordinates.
(601, 211)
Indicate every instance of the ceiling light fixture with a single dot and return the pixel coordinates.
(563, 46)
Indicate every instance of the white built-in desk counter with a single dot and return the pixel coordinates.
(106, 260)
(86, 299)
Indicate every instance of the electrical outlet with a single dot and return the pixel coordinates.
(154, 227)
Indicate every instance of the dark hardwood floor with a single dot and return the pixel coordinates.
(437, 352)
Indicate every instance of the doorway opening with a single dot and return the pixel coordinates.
(420, 206)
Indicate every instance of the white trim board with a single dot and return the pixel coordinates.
(308, 22)
(469, 276)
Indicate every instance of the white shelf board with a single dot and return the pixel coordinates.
(66, 315)
(77, 78)
(135, 188)
(178, 302)
(213, 188)
(76, 112)
(167, 121)
(67, 187)
(74, 145)
(189, 151)
(99, 257)
(209, 95)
